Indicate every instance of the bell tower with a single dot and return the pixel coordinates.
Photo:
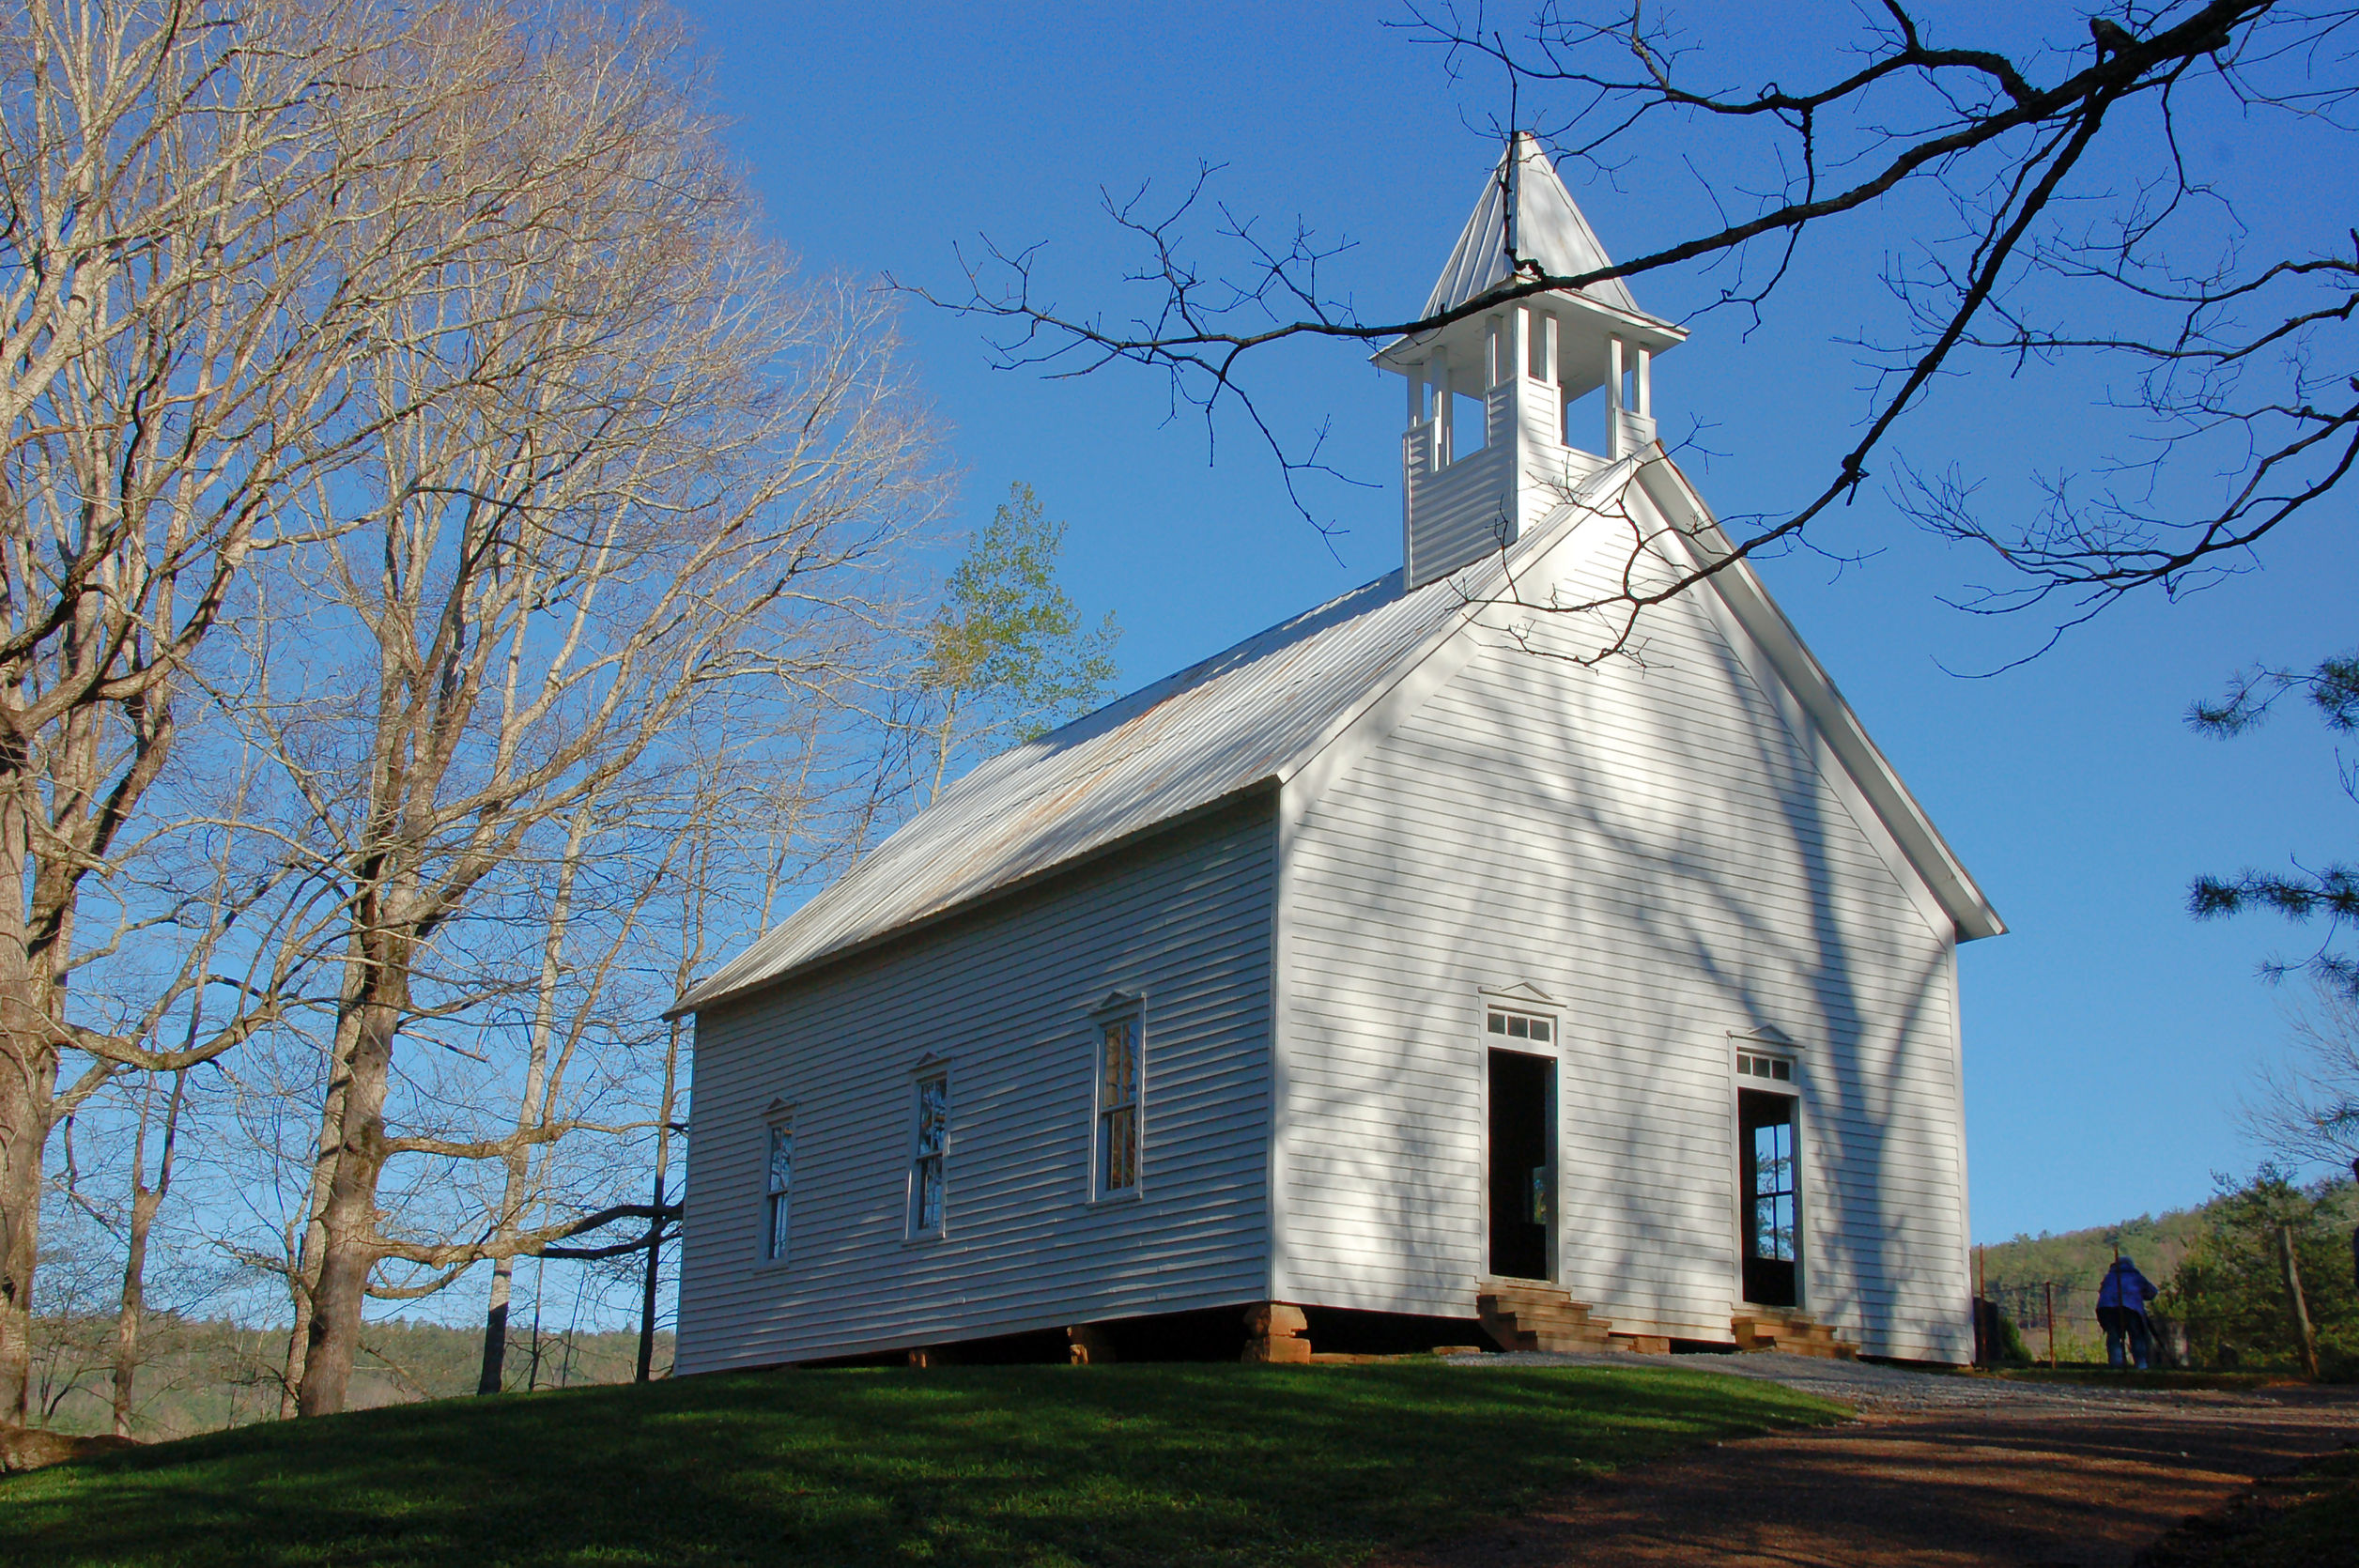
(1496, 437)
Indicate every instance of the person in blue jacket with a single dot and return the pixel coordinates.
(2121, 1311)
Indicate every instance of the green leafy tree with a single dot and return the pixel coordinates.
(2329, 893)
(2234, 1293)
(1007, 657)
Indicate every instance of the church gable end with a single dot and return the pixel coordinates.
(1656, 852)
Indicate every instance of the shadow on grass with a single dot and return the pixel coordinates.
(1015, 1465)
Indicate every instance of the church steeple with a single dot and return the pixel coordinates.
(1468, 491)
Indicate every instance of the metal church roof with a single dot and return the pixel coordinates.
(1242, 716)
(1525, 214)
(1260, 712)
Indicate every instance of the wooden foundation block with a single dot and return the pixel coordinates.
(1274, 1317)
(1279, 1352)
(1273, 1334)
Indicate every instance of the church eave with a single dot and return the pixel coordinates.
(1648, 331)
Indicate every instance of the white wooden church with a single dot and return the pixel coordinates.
(1382, 981)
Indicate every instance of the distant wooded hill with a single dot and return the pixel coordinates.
(2017, 1273)
(200, 1377)
(2079, 1258)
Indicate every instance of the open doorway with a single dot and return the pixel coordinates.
(1523, 1163)
(1766, 1152)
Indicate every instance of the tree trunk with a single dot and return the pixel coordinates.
(532, 1107)
(496, 1327)
(304, 1283)
(28, 1088)
(942, 746)
(299, 1289)
(347, 1221)
(145, 1200)
(504, 1268)
(2297, 1308)
(28, 1077)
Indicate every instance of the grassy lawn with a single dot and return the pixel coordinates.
(1114, 1465)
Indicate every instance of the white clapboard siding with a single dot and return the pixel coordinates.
(1664, 851)
(1553, 473)
(1004, 994)
(1458, 514)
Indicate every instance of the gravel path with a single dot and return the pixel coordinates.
(1938, 1472)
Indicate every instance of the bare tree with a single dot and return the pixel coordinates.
(145, 1200)
(2306, 1110)
(629, 466)
(665, 1206)
(176, 310)
(74, 1336)
(574, 1002)
(2232, 359)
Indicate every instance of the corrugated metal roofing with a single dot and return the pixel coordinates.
(1239, 717)
(1258, 712)
(1548, 229)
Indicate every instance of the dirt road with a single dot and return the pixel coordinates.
(1946, 1471)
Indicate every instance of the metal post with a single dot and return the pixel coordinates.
(2051, 1288)
(648, 1287)
(1985, 1353)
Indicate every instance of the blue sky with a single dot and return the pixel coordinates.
(2109, 1037)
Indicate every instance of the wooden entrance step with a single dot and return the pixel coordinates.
(1539, 1317)
(1792, 1332)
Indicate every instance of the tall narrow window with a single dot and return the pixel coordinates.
(780, 1185)
(1773, 1191)
(1117, 1106)
(927, 1174)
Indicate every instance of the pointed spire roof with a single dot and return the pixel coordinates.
(1525, 214)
